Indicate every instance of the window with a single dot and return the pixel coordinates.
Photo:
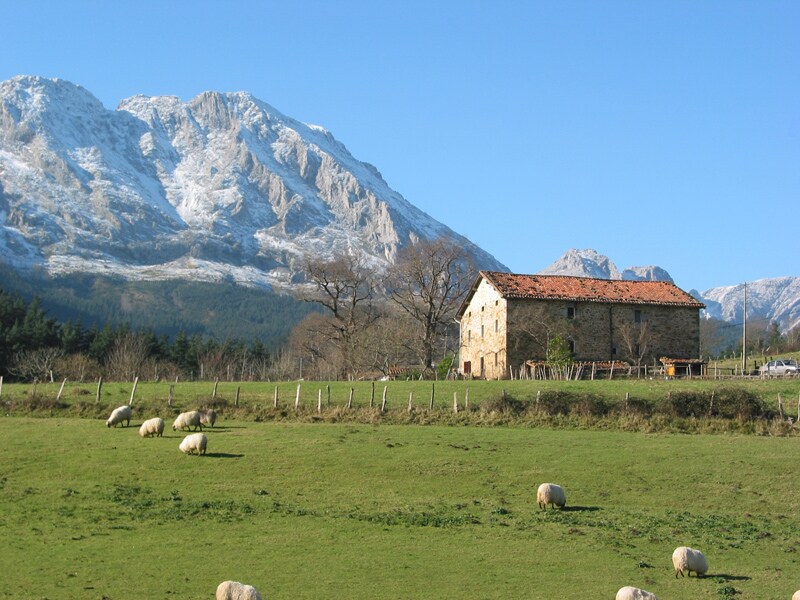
(481, 330)
(571, 345)
(495, 359)
(570, 312)
(613, 352)
(496, 325)
(637, 316)
(469, 335)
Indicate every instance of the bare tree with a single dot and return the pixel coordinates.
(127, 356)
(345, 287)
(429, 282)
(35, 364)
(77, 367)
(533, 330)
(636, 338)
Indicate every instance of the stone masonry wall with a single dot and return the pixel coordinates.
(483, 334)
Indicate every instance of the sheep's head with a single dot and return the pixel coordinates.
(174, 428)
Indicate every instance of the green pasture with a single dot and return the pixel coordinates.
(347, 510)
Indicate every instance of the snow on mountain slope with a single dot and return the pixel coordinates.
(768, 300)
(223, 186)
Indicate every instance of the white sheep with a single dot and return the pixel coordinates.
(152, 427)
(118, 415)
(187, 420)
(688, 559)
(796, 595)
(550, 493)
(233, 590)
(208, 417)
(633, 593)
(194, 442)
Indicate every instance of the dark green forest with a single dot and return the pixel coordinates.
(187, 326)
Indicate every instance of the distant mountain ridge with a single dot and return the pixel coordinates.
(220, 188)
(768, 300)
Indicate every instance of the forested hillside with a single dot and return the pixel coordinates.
(217, 310)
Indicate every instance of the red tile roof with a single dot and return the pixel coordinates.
(585, 289)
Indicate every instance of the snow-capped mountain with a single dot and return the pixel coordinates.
(768, 300)
(222, 187)
(590, 263)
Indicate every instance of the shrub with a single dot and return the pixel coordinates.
(737, 403)
(684, 404)
(589, 405)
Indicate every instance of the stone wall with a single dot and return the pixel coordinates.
(483, 335)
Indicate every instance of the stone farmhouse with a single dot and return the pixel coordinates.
(508, 319)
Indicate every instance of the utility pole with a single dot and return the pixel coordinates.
(744, 331)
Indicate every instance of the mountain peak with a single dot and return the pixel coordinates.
(221, 186)
(583, 263)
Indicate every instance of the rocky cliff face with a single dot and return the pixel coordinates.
(223, 187)
(590, 263)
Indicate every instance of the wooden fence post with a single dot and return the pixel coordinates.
(780, 406)
(455, 402)
(275, 398)
(350, 400)
(99, 387)
(236, 402)
(319, 400)
(61, 390)
(1, 386)
(328, 390)
(383, 402)
(372, 397)
(538, 396)
(433, 393)
(410, 401)
(133, 391)
(214, 393)
(466, 400)
(297, 398)
(171, 394)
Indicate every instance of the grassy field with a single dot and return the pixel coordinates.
(321, 510)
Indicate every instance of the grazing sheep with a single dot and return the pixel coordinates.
(550, 493)
(688, 559)
(152, 427)
(796, 595)
(195, 442)
(187, 420)
(208, 417)
(233, 590)
(118, 415)
(633, 593)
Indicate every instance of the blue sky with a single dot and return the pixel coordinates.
(662, 133)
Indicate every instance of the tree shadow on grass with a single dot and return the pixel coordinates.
(223, 455)
(726, 577)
